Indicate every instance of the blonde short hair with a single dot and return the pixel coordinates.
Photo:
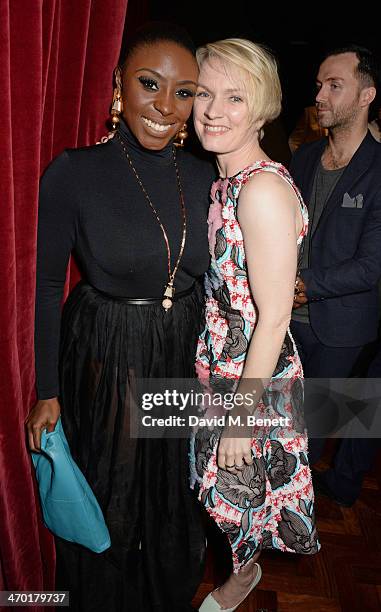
(259, 72)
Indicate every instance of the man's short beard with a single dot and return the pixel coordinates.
(344, 118)
(341, 118)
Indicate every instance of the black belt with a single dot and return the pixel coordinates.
(148, 301)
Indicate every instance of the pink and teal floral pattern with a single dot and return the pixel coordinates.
(268, 504)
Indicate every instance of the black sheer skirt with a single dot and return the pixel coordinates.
(156, 559)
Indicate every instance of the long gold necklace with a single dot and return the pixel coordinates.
(169, 290)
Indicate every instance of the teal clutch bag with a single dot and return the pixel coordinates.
(69, 507)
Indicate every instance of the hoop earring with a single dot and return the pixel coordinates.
(181, 136)
(117, 104)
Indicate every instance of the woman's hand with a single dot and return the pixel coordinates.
(234, 453)
(43, 415)
(234, 449)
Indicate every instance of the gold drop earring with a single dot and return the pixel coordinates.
(117, 104)
(181, 136)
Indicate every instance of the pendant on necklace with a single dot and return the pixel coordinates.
(167, 303)
(168, 295)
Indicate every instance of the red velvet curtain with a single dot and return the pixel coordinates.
(56, 63)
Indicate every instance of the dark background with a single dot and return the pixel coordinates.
(298, 34)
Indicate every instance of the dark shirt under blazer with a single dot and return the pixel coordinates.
(345, 253)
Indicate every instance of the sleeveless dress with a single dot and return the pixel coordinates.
(269, 504)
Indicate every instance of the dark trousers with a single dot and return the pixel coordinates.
(354, 456)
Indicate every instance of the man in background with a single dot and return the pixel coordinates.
(336, 296)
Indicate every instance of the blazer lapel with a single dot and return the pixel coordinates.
(358, 165)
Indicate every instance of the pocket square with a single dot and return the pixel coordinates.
(355, 202)
(348, 202)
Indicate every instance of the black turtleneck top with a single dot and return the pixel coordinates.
(91, 204)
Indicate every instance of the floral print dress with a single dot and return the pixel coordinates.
(269, 504)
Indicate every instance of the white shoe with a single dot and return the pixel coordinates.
(210, 604)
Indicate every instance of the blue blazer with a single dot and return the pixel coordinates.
(345, 251)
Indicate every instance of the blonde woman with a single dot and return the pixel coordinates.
(255, 483)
